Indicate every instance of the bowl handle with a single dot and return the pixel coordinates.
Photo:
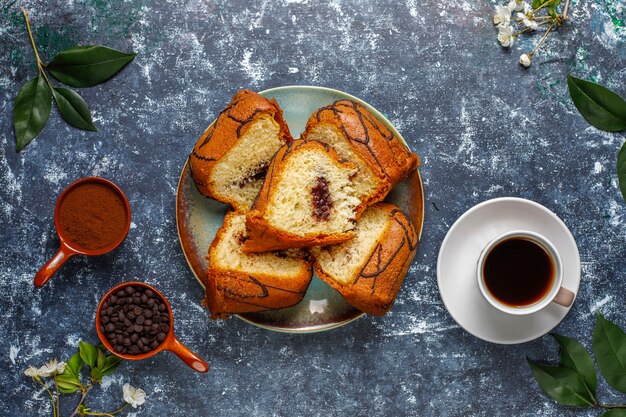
(186, 355)
(46, 272)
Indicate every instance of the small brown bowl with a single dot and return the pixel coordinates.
(170, 343)
(66, 248)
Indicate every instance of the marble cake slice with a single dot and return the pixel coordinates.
(369, 269)
(359, 137)
(229, 161)
(308, 198)
(241, 283)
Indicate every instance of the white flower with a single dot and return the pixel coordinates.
(505, 36)
(527, 9)
(133, 396)
(524, 59)
(517, 5)
(529, 23)
(502, 16)
(32, 372)
(51, 368)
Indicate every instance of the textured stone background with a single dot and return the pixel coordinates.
(484, 127)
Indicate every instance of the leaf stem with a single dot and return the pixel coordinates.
(85, 391)
(544, 4)
(58, 402)
(45, 385)
(109, 414)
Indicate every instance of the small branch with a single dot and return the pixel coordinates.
(565, 10)
(543, 38)
(612, 406)
(32, 39)
(40, 64)
(85, 391)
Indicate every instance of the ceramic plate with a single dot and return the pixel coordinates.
(458, 257)
(198, 219)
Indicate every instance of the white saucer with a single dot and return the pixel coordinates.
(456, 268)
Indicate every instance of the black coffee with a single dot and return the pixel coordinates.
(518, 272)
(134, 320)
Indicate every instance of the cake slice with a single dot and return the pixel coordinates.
(229, 161)
(359, 137)
(369, 269)
(241, 283)
(308, 198)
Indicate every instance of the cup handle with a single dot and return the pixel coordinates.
(564, 297)
(46, 272)
(186, 355)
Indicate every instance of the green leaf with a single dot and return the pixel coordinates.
(74, 365)
(616, 412)
(100, 360)
(86, 66)
(562, 384)
(621, 170)
(575, 357)
(96, 375)
(31, 111)
(73, 108)
(88, 353)
(110, 365)
(68, 384)
(537, 3)
(600, 106)
(609, 348)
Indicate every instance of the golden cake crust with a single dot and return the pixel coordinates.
(231, 124)
(265, 237)
(374, 288)
(388, 158)
(231, 291)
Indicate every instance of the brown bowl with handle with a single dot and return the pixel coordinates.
(170, 342)
(69, 247)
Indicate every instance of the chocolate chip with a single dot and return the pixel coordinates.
(140, 320)
(110, 327)
(134, 349)
(161, 337)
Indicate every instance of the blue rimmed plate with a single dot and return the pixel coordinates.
(198, 219)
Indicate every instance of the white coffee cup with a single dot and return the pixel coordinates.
(557, 294)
